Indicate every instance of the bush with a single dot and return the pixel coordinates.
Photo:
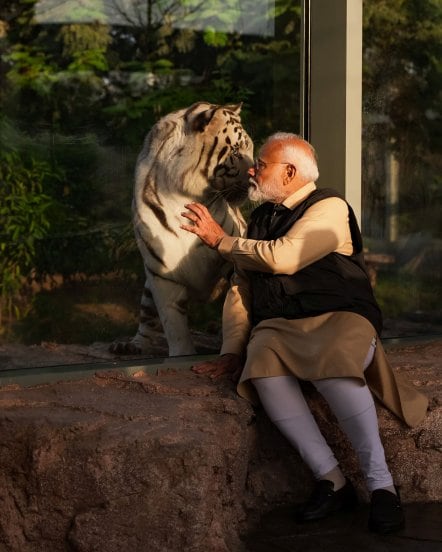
(23, 221)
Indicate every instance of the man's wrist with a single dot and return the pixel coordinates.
(218, 240)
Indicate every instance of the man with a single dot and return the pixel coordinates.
(302, 305)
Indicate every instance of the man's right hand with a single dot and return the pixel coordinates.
(224, 364)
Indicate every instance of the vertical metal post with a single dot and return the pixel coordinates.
(335, 91)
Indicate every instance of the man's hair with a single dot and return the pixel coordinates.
(300, 152)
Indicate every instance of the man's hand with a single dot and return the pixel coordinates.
(225, 364)
(204, 226)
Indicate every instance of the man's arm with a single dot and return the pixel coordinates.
(236, 331)
(323, 229)
(237, 315)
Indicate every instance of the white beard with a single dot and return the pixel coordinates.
(264, 192)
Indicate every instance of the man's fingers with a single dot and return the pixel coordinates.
(189, 216)
(215, 367)
(218, 367)
(204, 367)
(203, 209)
(217, 373)
(196, 208)
(189, 228)
(200, 211)
(201, 368)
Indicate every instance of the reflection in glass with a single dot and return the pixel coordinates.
(402, 161)
(81, 85)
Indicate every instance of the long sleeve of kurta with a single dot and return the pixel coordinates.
(323, 229)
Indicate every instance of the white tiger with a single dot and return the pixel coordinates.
(202, 154)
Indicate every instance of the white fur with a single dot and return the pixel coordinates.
(187, 270)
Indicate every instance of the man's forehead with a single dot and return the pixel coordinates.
(272, 150)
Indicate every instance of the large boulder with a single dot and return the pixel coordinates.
(173, 461)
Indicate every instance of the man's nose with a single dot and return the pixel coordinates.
(251, 171)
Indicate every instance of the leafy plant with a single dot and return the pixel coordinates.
(23, 221)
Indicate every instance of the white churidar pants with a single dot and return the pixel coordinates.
(353, 406)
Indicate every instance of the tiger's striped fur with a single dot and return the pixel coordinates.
(202, 154)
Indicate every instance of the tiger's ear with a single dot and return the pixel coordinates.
(200, 122)
(236, 108)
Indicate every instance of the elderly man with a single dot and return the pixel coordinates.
(301, 307)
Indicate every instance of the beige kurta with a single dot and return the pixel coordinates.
(329, 345)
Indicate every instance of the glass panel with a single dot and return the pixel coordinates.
(81, 85)
(402, 161)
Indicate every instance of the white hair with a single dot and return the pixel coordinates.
(304, 158)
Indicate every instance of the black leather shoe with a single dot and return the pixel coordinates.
(324, 501)
(386, 514)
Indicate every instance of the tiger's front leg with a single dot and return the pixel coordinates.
(171, 302)
(168, 300)
(142, 342)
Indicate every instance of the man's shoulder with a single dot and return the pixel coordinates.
(325, 193)
(326, 198)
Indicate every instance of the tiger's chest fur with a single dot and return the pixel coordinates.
(179, 256)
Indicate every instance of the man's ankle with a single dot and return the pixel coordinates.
(336, 477)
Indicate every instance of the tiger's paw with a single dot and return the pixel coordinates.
(125, 348)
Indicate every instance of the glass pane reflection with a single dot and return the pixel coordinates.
(81, 85)
(402, 162)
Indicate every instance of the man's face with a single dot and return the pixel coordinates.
(266, 176)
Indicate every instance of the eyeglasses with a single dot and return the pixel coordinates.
(259, 165)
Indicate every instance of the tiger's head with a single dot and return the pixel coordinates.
(202, 150)
(228, 149)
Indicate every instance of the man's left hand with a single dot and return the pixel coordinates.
(204, 226)
(228, 363)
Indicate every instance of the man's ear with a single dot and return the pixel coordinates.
(291, 171)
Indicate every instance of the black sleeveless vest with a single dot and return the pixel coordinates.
(334, 283)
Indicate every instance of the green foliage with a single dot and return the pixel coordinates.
(30, 69)
(86, 45)
(64, 64)
(402, 106)
(400, 294)
(23, 221)
(131, 118)
(82, 37)
(88, 251)
(214, 38)
(402, 69)
(81, 95)
(89, 59)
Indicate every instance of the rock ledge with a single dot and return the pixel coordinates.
(175, 462)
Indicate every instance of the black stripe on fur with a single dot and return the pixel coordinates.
(160, 214)
(152, 200)
(205, 171)
(154, 255)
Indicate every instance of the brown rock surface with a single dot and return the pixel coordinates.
(175, 462)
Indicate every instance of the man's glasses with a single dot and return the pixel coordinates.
(259, 165)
